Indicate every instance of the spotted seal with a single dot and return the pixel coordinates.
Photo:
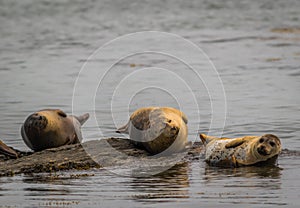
(158, 129)
(248, 150)
(52, 128)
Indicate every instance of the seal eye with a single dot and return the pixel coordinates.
(272, 144)
(62, 114)
(261, 140)
(169, 121)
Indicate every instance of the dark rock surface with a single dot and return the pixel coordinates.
(111, 152)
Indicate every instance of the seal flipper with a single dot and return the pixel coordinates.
(72, 139)
(4, 149)
(123, 129)
(235, 143)
(83, 118)
(206, 139)
(184, 118)
(239, 141)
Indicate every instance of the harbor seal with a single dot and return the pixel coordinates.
(6, 150)
(248, 150)
(157, 129)
(52, 128)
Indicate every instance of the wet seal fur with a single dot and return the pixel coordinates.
(248, 150)
(157, 129)
(51, 128)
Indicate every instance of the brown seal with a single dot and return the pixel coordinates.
(6, 150)
(52, 128)
(158, 129)
(248, 150)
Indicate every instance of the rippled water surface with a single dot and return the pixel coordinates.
(253, 45)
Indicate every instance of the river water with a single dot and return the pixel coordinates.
(232, 66)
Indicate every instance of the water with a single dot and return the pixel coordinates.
(45, 44)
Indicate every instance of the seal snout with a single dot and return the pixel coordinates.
(170, 129)
(263, 150)
(174, 131)
(36, 121)
(36, 116)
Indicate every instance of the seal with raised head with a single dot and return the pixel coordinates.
(52, 128)
(158, 129)
(248, 150)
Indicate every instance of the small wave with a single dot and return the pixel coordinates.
(5, 69)
(223, 40)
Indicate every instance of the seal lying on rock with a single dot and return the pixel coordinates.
(6, 150)
(157, 129)
(248, 150)
(52, 128)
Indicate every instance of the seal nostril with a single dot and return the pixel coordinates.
(173, 128)
(262, 150)
(40, 117)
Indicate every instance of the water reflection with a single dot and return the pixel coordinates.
(245, 172)
(46, 185)
(242, 186)
(46, 191)
(166, 186)
(47, 178)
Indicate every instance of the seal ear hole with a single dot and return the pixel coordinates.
(62, 114)
(261, 140)
(272, 144)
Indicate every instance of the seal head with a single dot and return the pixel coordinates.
(51, 128)
(157, 129)
(267, 146)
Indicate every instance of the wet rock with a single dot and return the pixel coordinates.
(111, 152)
(50, 160)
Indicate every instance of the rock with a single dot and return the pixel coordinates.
(108, 153)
